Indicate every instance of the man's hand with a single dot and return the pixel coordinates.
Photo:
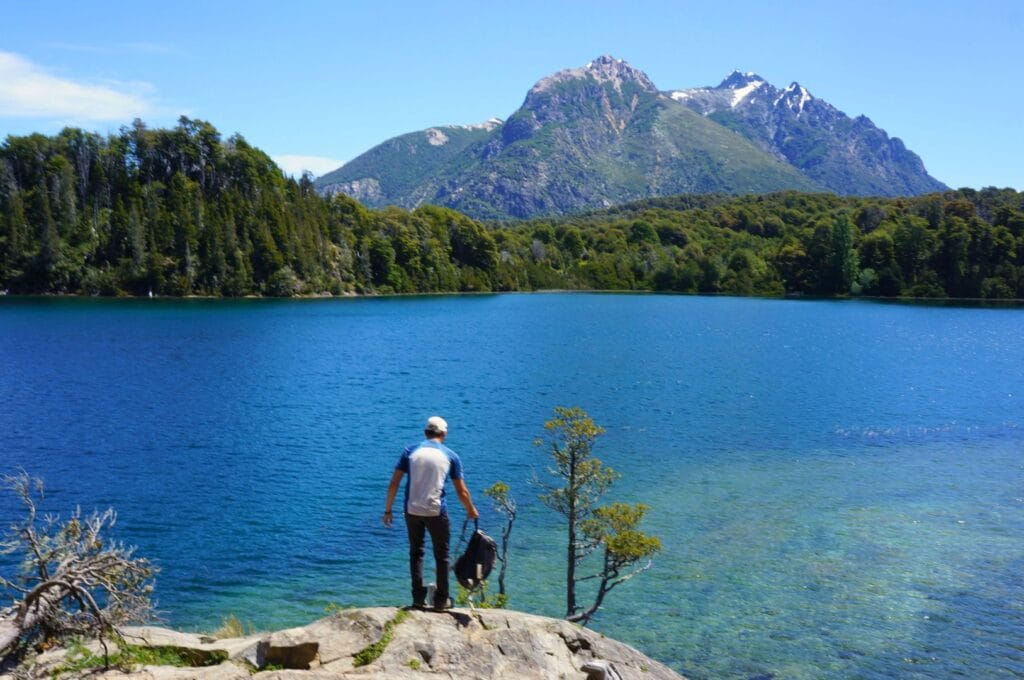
(396, 480)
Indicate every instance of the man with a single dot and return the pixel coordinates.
(429, 464)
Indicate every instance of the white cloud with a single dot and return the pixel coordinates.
(28, 91)
(318, 165)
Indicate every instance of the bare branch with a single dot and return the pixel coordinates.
(67, 569)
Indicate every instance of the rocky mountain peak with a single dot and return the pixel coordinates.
(742, 85)
(795, 97)
(604, 69)
(738, 80)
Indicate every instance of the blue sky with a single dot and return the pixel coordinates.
(329, 80)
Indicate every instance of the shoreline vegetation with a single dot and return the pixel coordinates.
(182, 212)
(943, 301)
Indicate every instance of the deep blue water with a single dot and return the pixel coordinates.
(839, 485)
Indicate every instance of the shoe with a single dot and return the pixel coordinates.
(418, 606)
(444, 606)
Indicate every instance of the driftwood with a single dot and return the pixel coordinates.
(71, 581)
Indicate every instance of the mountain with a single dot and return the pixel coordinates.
(584, 138)
(390, 172)
(603, 134)
(845, 155)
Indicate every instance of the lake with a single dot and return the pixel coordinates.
(839, 485)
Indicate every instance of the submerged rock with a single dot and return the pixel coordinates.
(385, 642)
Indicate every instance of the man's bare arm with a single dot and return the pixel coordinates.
(467, 502)
(396, 480)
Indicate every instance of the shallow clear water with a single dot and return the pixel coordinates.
(839, 485)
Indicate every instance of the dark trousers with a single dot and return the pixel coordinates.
(439, 536)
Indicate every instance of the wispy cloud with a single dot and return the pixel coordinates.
(296, 165)
(28, 91)
(152, 48)
(76, 47)
(137, 47)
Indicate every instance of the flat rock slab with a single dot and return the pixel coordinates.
(466, 644)
(338, 637)
(224, 671)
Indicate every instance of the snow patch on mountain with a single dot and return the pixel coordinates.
(435, 137)
(796, 96)
(487, 125)
(739, 94)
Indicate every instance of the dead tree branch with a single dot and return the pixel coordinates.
(71, 580)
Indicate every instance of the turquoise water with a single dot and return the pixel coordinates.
(839, 485)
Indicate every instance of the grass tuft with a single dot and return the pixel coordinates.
(128, 656)
(231, 627)
(372, 652)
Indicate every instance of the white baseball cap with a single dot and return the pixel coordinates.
(437, 424)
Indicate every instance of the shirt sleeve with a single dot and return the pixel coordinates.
(456, 469)
(403, 462)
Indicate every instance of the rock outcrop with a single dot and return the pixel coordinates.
(395, 644)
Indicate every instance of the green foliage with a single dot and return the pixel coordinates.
(414, 664)
(612, 528)
(80, 659)
(484, 600)
(372, 652)
(499, 493)
(841, 265)
(571, 437)
(181, 211)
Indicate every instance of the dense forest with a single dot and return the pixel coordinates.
(184, 212)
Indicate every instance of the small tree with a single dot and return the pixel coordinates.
(505, 504)
(627, 550)
(72, 580)
(571, 436)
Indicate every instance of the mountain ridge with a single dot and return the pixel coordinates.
(602, 134)
(846, 155)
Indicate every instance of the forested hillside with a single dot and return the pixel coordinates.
(183, 212)
(960, 244)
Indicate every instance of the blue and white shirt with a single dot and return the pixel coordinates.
(429, 464)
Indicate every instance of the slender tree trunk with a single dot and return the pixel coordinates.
(570, 567)
(570, 572)
(608, 575)
(504, 556)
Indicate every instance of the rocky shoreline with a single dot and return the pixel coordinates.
(381, 643)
